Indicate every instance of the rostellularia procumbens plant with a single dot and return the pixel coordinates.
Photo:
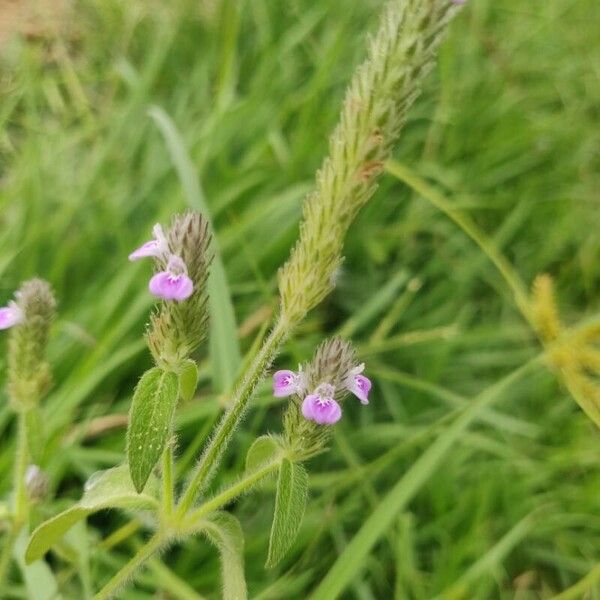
(375, 108)
(28, 317)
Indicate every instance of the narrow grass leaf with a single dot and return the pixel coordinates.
(350, 562)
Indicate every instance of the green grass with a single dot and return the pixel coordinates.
(504, 506)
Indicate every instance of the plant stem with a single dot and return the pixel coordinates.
(20, 513)
(233, 416)
(235, 490)
(127, 572)
(19, 487)
(167, 481)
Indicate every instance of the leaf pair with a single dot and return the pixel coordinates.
(151, 417)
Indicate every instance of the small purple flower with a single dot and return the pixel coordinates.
(458, 1)
(320, 406)
(358, 384)
(286, 383)
(157, 248)
(174, 283)
(10, 315)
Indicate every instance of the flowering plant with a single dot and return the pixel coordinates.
(376, 104)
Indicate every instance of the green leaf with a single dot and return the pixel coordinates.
(290, 502)
(188, 380)
(39, 579)
(263, 450)
(150, 419)
(225, 353)
(225, 532)
(106, 489)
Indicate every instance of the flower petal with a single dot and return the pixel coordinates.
(308, 406)
(168, 287)
(284, 383)
(151, 248)
(327, 413)
(10, 315)
(360, 386)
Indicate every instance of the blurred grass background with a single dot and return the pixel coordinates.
(116, 114)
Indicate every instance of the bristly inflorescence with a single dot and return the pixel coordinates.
(182, 260)
(30, 316)
(316, 393)
(374, 110)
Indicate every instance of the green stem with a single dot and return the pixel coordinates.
(233, 416)
(21, 509)
(19, 487)
(127, 572)
(235, 490)
(167, 481)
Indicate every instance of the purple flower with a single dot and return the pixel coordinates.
(157, 248)
(458, 1)
(286, 383)
(174, 283)
(10, 315)
(320, 406)
(358, 384)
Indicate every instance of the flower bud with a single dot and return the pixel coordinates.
(37, 483)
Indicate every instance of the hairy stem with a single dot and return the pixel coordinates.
(111, 589)
(224, 430)
(235, 490)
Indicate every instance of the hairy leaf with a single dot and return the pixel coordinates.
(150, 419)
(263, 450)
(106, 489)
(290, 502)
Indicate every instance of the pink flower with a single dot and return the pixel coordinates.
(10, 315)
(174, 283)
(286, 383)
(358, 384)
(157, 248)
(320, 406)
